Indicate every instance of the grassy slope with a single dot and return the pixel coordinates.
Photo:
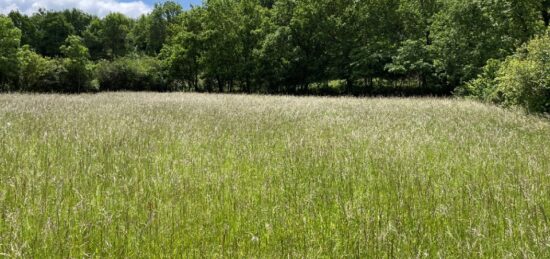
(186, 174)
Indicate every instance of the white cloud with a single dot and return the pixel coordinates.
(98, 7)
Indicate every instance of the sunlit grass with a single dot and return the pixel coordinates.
(191, 175)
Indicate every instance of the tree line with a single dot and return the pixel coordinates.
(434, 47)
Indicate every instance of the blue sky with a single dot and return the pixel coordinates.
(133, 8)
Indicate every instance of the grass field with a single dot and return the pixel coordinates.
(192, 175)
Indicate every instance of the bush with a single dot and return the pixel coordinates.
(33, 70)
(77, 63)
(71, 74)
(131, 73)
(10, 37)
(484, 86)
(523, 79)
(57, 77)
(41, 74)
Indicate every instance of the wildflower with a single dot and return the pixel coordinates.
(255, 239)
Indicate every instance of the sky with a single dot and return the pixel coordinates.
(132, 8)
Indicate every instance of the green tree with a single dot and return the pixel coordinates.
(418, 17)
(132, 72)
(250, 33)
(78, 19)
(93, 38)
(276, 54)
(343, 32)
(232, 34)
(464, 39)
(524, 78)
(484, 86)
(183, 52)
(412, 60)
(298, 42)
(468, 33)
(10, 38)
(29, 31)
(380, 37)
(221, 44)
(77, 64)
(114, 34)
(139, 34)
(33, 70)
(163, 17)
(53, 30)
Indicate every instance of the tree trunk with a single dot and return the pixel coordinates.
(247, 84)
(196, 83)
(349, 85)
(220, 84)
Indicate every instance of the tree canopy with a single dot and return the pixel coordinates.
(294, 46)
(10, 38)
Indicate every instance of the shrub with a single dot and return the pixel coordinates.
(523, 79)
(77, 63)
(10, 37)
(33, 70)
(70, 74)
(55, 77)
(484, 86)
(132, 73)
(42, 74)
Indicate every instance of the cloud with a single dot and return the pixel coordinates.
(98, 7)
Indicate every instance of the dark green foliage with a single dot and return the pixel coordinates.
(29, 30)
(42, 74)
(108, 37)
(545, 12)
(78, 19)
(46, 31)
(182, 55)
(93, 38)
(150, 32)
(77, 63)
(114, 35)
(55, 79)
(521, 80)
(400, 47)
(10, 38)
(139, 35)
(413, 59)
(133, 73)
(484, 86)
(71, 74)
(524, 79)
(468, 33)
(34, 70)
(162, 18)
(53, 29)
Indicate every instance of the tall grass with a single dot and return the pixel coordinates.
(191, 175)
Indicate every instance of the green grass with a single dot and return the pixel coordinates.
(191, 175)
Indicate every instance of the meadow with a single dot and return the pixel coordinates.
(139, 175)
